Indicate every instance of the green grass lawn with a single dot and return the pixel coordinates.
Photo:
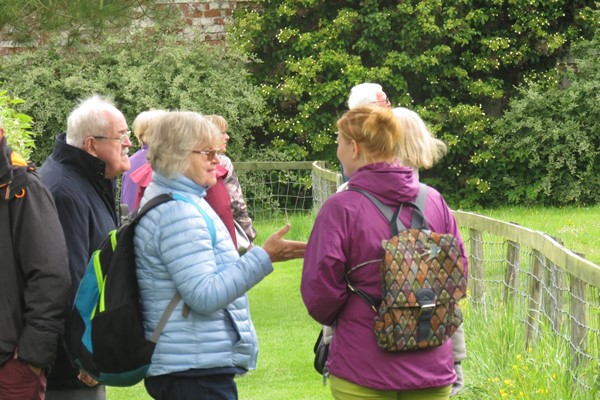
(286, 335)
(577, 227)
(496, 367)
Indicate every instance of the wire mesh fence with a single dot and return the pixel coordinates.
(272, 190)
(549, 289)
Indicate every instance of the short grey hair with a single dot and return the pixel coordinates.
(89, 118)
(174, 135)
(363, 94)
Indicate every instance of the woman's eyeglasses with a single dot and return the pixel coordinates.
(207, 153)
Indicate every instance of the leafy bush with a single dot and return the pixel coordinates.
(548, 140)
(455, 64)
(17, 126)
(158, 69)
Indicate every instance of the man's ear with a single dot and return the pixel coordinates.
(1, 133)
(89, 146)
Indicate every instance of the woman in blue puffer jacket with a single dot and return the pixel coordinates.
(198, 353)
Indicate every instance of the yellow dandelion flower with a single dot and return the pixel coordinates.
(516, 367)
(519, 357)
(508, 382)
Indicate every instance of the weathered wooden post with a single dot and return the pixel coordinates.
(511, 276)
(476, 265)
(535, 296)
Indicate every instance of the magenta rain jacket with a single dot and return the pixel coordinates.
(348, 231)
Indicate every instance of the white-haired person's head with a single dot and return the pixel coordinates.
(367, 94)
(91, 117)
(419, 148)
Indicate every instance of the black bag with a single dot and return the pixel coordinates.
(321, 352)
(106, 330)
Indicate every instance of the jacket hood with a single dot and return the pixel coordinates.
(13, 179)
(161, 184)
(393, 183)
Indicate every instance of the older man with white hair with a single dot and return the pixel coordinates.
(80, 174)
(368, 93)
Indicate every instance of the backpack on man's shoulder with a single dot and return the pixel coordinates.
(422, 279)
(105, 329)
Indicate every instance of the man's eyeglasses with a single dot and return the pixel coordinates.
(207, 153)
(124, 136)
(385, 101)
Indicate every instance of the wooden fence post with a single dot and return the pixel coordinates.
(579, 323)
(535, 296)
(476, 263)
(553, 298)
(511, 276)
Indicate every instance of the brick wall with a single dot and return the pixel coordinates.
(205, 20)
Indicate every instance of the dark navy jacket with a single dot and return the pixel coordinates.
(86, 207)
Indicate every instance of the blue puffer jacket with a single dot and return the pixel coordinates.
(174, 251)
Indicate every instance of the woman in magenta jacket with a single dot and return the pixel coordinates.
(348, 231)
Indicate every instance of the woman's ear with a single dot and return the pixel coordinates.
(355, 149)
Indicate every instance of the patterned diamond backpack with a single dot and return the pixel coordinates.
(422, 280)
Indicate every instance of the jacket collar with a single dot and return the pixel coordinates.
(392, 183)
(182, 184)
(90, 167)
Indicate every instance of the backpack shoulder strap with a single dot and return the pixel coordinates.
(209, 222)
(393, 217)
(418, 217)
(163, 198)
(153, 202)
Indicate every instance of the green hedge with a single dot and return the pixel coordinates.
(16, 125)
(550, 136)
(456, 63)
(150, 70)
